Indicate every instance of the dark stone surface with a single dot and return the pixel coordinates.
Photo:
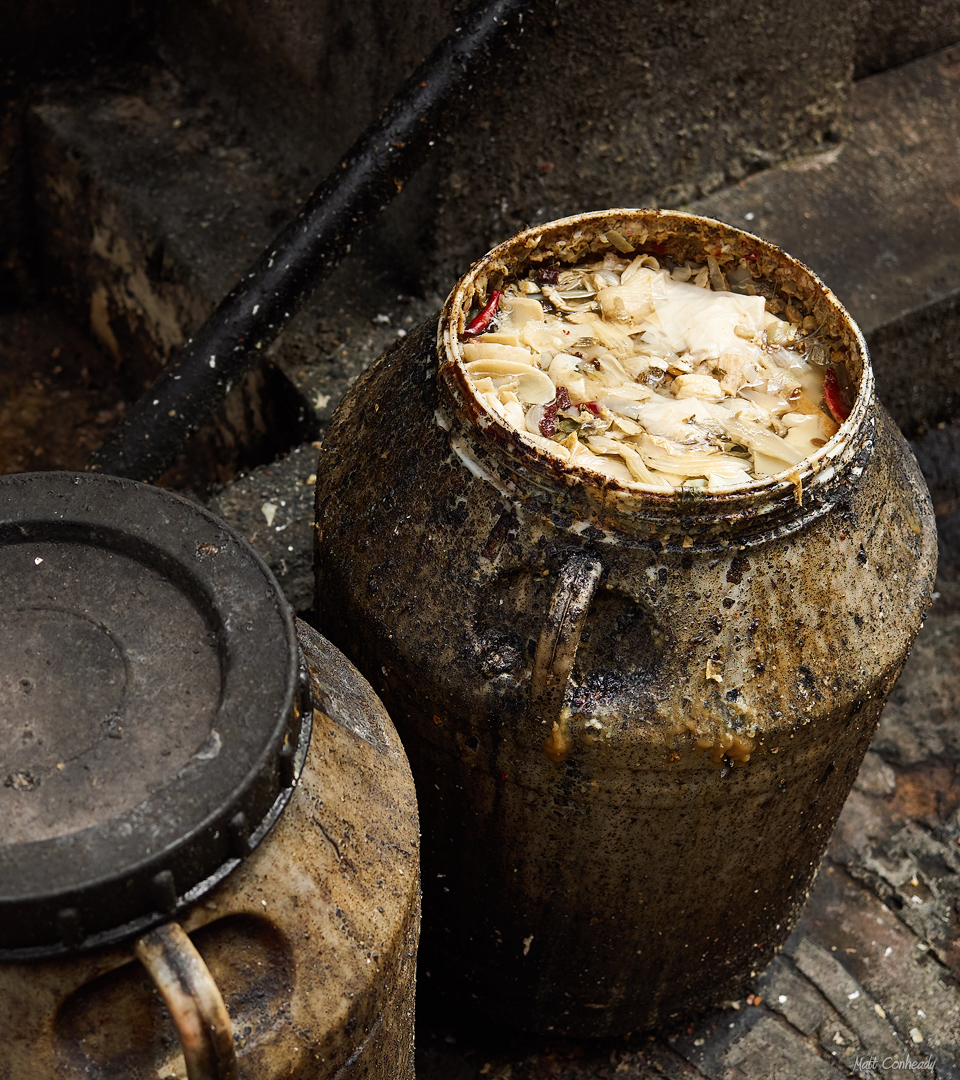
(46, 39)
(892, 32)
(57, 396)
(633, 105)
(150, 206)
(877, 219)
(149, 209)
(15, 232)
(273, 507)
(309, 75)
(49, 36)
(637, 106)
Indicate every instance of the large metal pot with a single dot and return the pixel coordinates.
(191, 883)
(633, 717)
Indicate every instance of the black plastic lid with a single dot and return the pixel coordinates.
(152, 719)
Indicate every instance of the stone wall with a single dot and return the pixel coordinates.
(597, 103)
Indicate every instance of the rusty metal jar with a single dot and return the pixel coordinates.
(209, 851)
(633, 716)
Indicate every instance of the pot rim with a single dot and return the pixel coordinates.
(490, 437)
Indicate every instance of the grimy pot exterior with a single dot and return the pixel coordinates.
(312, 940)
(633, 720)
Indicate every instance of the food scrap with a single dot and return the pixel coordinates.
(665, 376)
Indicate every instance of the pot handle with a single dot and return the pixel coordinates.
(193, 999)
(560, 637)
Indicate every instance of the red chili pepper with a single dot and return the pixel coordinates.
(548, 422)
(483, 320)
(831, 392)
(752, 256)
(593, 406)
(563, 398)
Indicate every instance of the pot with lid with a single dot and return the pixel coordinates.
(634, 695)
(195, 789)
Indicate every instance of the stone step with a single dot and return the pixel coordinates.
(878, 219)
(150, 208)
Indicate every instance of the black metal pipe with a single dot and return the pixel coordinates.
(305, 251)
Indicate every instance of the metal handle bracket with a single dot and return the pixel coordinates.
(193, 999)
(557, 647)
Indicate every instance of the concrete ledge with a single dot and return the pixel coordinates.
(149, 209)
(879, 220)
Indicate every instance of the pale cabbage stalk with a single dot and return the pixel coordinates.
(705, 325)
(531, 384)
